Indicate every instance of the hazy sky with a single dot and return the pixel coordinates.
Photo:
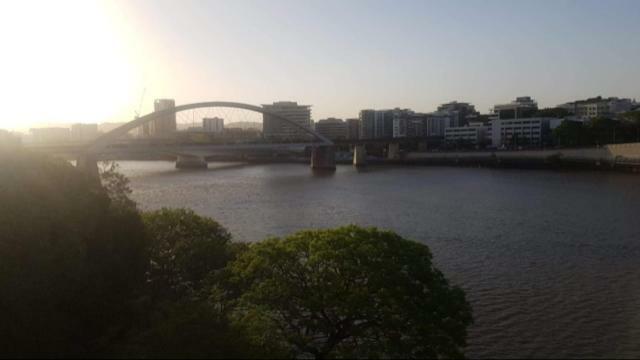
(89, 61)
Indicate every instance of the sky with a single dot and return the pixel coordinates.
(90, 61)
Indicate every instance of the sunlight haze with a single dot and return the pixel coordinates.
(90, 61)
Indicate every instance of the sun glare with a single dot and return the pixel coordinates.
(68, 63)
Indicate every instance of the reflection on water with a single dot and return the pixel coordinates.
(549, 259)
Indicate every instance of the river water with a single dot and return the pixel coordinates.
(550, 260)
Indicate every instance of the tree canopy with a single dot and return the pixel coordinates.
(70, 260)
(349, 292)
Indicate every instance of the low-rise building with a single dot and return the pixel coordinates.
(520, 132)
(9, 139)
(51, 135)
(598, 107)
(475, 135)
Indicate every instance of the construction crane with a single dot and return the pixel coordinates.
(137, 112)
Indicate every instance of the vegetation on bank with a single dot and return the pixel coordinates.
(83, 272)
(599, 131)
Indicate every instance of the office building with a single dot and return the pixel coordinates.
(522, 107)
(367, 124)
(520, 132)
(460, 112)
(378, 124)
(213, 125)
(333, 129)
(353, 129)
(165, 126)
(276, 129)
(437, 122)
(476, 135)
(408, 124)
(84, 132)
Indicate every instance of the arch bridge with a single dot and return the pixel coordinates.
(194, 155)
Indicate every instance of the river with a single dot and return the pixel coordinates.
(550, 260)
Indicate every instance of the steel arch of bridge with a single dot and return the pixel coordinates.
(110, 137)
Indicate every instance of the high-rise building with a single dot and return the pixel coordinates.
(213, 125)
(164, 126)
(353, 129)
(332, 128)
(461, 113)
(274, 128)
(367, 124)
(522, 107)
(84, 132)
(406, 123)
(376, 124)
(437, 122)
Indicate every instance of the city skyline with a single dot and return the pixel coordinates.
(343, 57)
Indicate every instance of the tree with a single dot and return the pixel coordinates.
(183, 314)
(116, 185)
(349, 292)
(572, 133)
(185, 249)
(604, 130)
(71, 260)
(632, 121)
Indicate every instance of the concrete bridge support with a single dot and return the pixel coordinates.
(191, 162)
(394, 151)
(88, 165)
(323, 158)
(359, 155)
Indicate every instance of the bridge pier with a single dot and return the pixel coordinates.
(88, 165)
(190, 162)
(359, 155)
(323, 158)
(394, 151)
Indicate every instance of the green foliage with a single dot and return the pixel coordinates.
(572, 133)
(185, 250)
(116, 185)
(191, 328)
(349, 292)
(599, 131)
(184, 314)
(70, 259)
